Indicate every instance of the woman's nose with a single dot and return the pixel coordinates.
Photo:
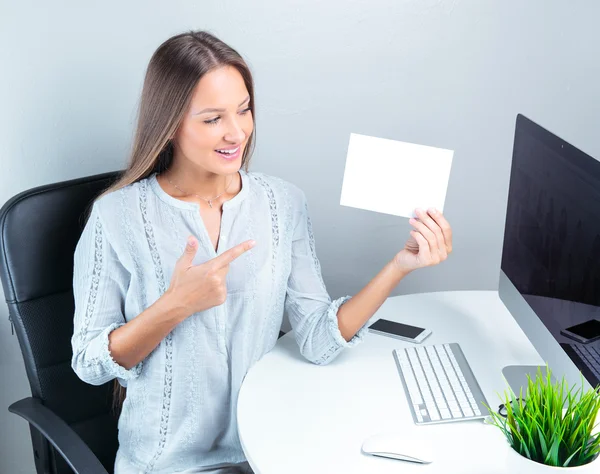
(235, 133)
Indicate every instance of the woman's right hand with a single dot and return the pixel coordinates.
(193, 288)
(196, 288)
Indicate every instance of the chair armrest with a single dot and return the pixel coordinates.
(68, 443)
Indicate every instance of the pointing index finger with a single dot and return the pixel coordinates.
(230, 255)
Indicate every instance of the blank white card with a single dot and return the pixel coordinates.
(394, 177)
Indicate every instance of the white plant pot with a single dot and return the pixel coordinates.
(535, 467)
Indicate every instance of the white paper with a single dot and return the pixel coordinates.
(394, 177)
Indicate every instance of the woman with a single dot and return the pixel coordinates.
(187, 263)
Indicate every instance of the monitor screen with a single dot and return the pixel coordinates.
(551, 249)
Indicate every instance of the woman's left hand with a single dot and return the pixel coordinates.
(429, 243)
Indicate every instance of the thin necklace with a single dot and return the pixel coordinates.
(209, 201)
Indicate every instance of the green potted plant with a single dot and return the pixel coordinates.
(554, 425)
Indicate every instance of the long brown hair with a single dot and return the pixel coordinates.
(173, 72)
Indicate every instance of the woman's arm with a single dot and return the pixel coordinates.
(323, 327)
(353, 314)
(100, 285)
(105, 346)
(430, 243)
(192, 289)
(131, 343)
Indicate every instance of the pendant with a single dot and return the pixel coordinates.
(210, 203)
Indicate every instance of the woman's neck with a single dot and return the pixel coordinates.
(193, 180)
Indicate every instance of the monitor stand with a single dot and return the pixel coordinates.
(516, 376)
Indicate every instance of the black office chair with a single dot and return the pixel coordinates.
(68, 418)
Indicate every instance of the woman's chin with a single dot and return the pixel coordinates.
(229, 165)
(225, 169)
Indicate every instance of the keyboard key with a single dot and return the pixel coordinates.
(433, 413)
(455, 410)
(413, 388)
(590, 356)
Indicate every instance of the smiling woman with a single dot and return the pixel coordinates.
(186, 265)
(186, 75)
(208, 130)
(212, 139)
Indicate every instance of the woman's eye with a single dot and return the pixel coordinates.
(216, 119)
(212, 121)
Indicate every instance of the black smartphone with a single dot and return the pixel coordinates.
(583, 332)
(401, 331)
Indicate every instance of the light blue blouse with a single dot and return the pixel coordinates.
(181, 400)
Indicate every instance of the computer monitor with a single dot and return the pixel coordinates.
(550, 268)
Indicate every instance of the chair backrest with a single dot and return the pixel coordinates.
(39, 230)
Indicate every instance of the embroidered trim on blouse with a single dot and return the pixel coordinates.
(95, 280)
(127, 228)
(139, 396)
(192, 396)
(251, 269)
(275, 233)
(332, 323)
(274, 214)
(168, 381)
(287, 259)
(311, 240)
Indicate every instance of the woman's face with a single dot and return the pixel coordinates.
(216, 127)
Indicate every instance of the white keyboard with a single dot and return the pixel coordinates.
(439, 384)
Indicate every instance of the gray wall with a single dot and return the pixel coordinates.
(446, 73)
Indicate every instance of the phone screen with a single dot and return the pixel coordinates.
(588, 330)
(398, 329)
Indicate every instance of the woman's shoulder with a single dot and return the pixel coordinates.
(128, 195)
(120, 207)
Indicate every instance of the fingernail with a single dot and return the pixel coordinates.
(191, 242)
(412, 221)
(433, 210)
(252, 243)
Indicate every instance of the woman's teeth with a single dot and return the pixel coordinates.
(229, 152)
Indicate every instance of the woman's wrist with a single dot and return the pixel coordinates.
(171, 306)
(396, 272)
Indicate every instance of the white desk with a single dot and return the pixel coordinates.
(297, 417)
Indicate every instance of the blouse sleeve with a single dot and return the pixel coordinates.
(100, 284)
(312, 313)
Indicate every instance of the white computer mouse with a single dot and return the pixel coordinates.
(404, 447)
